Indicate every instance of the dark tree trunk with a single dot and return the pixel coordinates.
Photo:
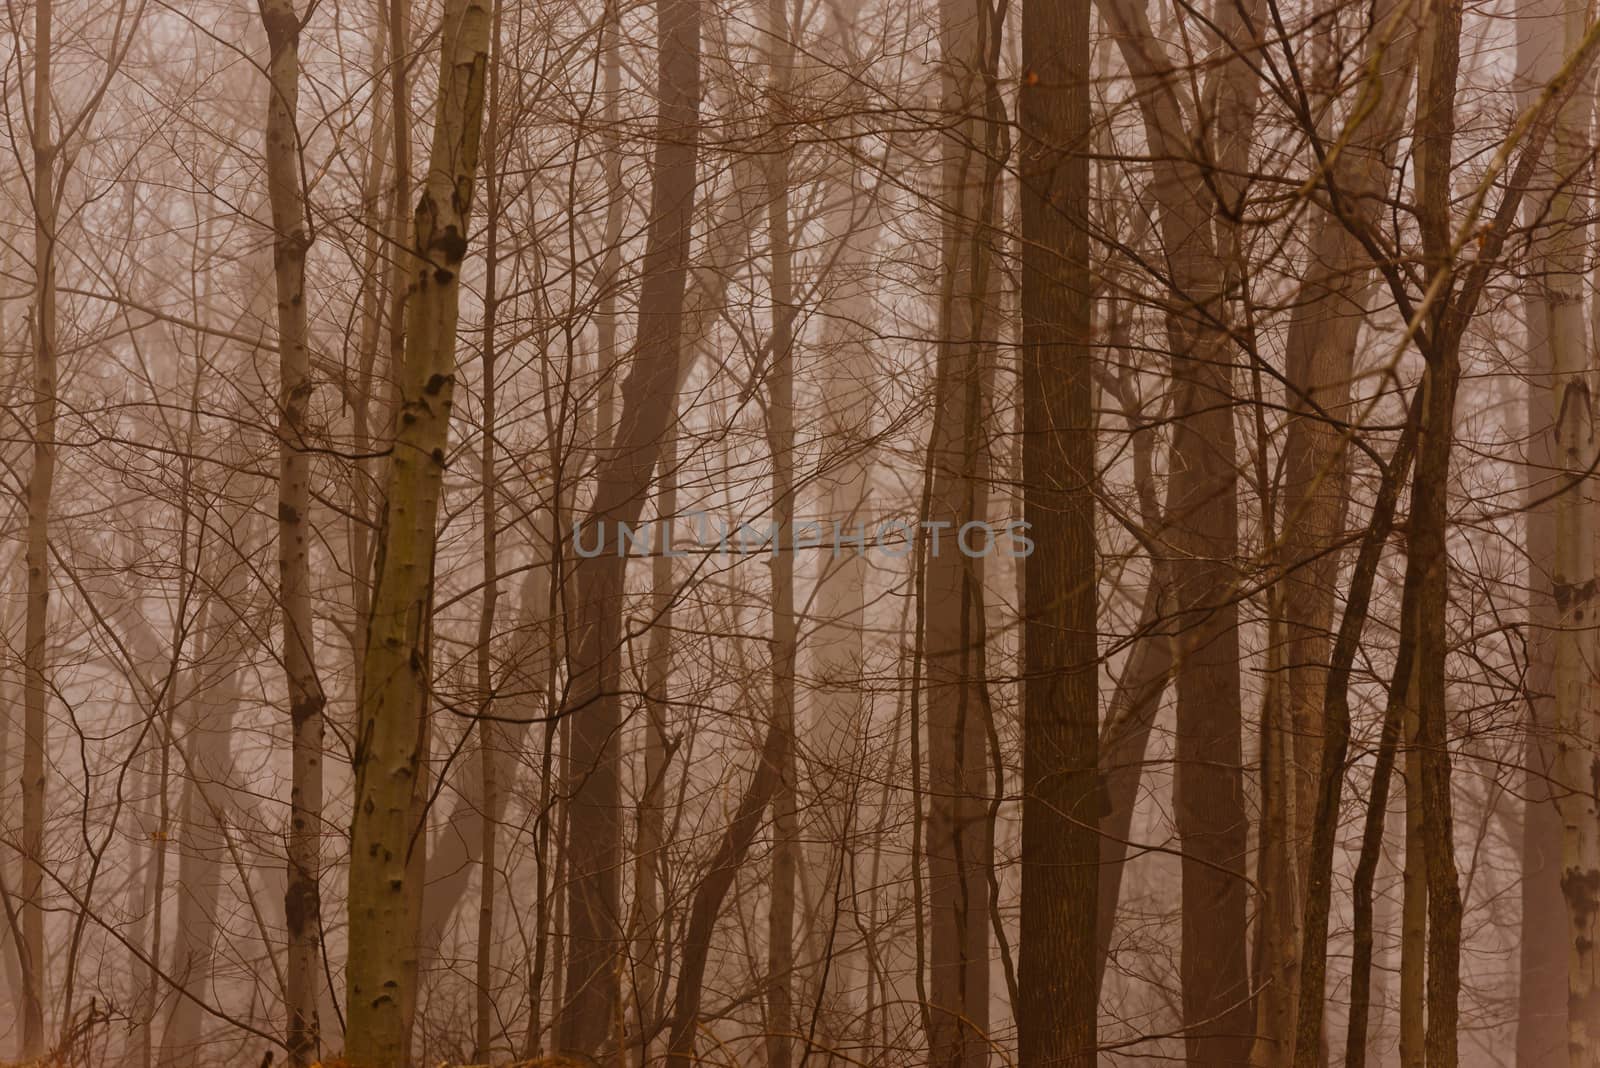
(1060, 806)
(594, 846)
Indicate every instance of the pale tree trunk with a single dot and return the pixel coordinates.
(959, 851)
(780, 440)
(616, 215)
(1131, 716)
(366, 408)
(1542, 948)
(1559, 844)
(839, 706)
(206, 802)
(594, 843)
(41, 479)
(394, 686)
(1060, 807)
(291, 240)
(1558, 264)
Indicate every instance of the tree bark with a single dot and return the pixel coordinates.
(1562, 591)
(41, 481)
(785, 636)
(959, 850)
(1427, 548)
(490, 742)
(394, 685)
(291, 240)
(1060, 849)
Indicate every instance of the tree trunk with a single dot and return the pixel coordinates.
(291, 240)
(394, 685)
(1561, 427)
(650, 839)
(490, 742)
(959, 851)
(785, 637)
(709, 895)
(1202, 507)
(1320, 363)
(1414, 896)
(595, 831)
(1309, 1050)
(206, 802)
(41, 479)
(1542, 945)
(1060, 806)
(839, 706)
(1427, 548)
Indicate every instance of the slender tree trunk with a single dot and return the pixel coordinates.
(1321, 348)
(1414, 898)
(957, 834)
(1542, 945)
(594, 845)
(383, 916)
(203, 815)
(489, 740)
(41, 479)
(708, 896)
(1360, 1043)
(650, 839)
(785, 637)
(839, 705)
(1309, 1049)
(291, 240)
(1427, 547)
(1060, 849)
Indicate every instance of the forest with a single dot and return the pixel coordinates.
(793, 533)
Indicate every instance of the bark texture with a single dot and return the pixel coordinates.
(395, 680)
(291, 241)
(41, 483)
(958, 839)
(1060, 807)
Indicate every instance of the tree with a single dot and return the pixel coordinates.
(395, 681)
(1056, 1020)
(291, 240)
(959, 848)
(595, 836)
